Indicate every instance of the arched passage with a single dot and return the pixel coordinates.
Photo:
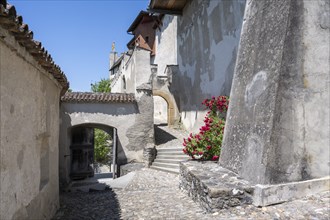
(160, 110)
(91, 147)
(172, 110)
(120, 111)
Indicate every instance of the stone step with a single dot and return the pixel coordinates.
(175, 161)
(178, 149)
(169, 170)
(167, 165)
(174, 157)
(170, 153)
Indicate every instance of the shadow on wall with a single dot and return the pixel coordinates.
(208, 37)
(161, 136)
(90, 205)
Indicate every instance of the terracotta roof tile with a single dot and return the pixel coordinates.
(10, 21)
(90, 97)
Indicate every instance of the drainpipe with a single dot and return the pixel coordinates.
(114, 155)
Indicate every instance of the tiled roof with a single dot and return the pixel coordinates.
(91, 97)
(143, 14)
(10, 21)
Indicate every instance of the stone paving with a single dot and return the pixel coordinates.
(154, 194)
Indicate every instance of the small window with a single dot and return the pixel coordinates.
(124, 83)
(147, 39)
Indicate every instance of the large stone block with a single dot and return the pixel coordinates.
(279, 111)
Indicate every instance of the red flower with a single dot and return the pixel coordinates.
(215, 157)
(208, 147)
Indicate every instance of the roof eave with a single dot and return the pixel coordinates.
(171, 7)
(136, 21)
(165, 11)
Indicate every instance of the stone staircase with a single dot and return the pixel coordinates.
(168, 159)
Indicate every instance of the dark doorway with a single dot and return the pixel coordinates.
(91, 151)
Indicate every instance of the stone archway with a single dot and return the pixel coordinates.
(172, 111)
(84, 154)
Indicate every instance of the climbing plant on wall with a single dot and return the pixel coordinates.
(206, 145)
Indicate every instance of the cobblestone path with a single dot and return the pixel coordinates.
(153, 194)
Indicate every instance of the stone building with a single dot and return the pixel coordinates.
(206, 44)
(143, 31)
(117, 71)
(276, 143)
(130, 115)
(279, 112)
(30, 87)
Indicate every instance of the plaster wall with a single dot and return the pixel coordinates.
(166, 44)
(118, 76)
(208, 34)
(135, 69)
(113, 115)
(29, 135)
(130, 120)
(277, 126)
(141, 67)
(117, 84)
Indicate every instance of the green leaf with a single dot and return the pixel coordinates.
(102, 86)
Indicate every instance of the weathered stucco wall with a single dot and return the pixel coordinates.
(118, 78)
(29, 135)
(278, 120)
(166, 44)
(207, 41)
(132, 121)
(135, 69)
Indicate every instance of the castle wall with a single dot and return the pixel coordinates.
(29, 132)
(278, 121)
(208, 34)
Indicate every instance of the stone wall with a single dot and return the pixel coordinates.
(213, 186)
(166, 44)
(30, 99)
(118, 76)
(278, 127)
(133, 121)
(208, 34)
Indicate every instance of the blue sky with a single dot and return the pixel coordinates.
(79, 34)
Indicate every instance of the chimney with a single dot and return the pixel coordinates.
(113, 55)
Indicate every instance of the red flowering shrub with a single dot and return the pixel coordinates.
(206, 145)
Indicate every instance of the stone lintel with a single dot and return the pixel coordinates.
(265, 195)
